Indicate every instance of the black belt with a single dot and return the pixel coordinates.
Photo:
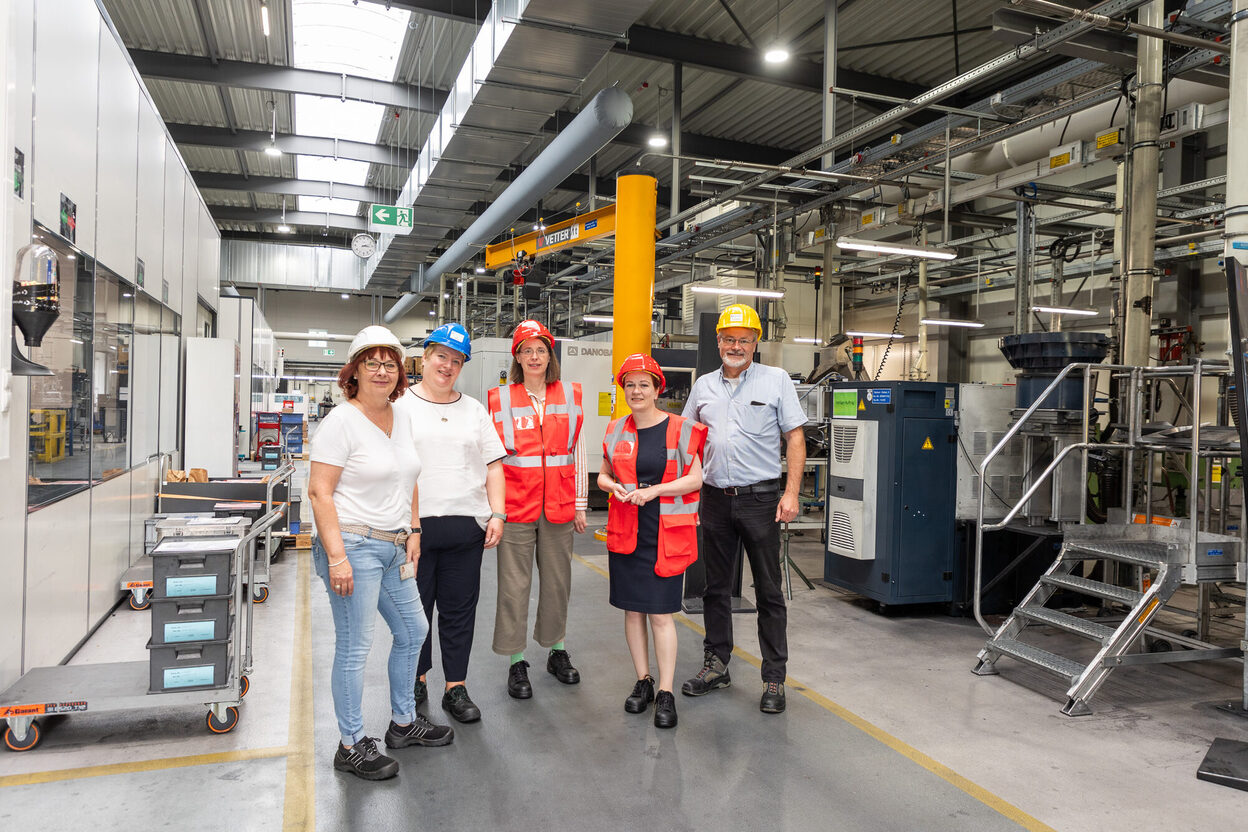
(767, 487)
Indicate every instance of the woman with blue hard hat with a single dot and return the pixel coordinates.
(461, 509)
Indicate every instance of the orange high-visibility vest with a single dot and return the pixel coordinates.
(678, 515)
(539, 466)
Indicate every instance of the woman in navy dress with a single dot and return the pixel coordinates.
(652, 470)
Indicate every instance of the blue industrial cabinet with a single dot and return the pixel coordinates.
(891, 495)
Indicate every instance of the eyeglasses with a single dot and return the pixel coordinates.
(532, 351)
(735, 342)
(372, 365)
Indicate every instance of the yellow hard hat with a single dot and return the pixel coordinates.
(739, 315)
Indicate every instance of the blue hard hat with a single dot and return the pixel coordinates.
(453, 336)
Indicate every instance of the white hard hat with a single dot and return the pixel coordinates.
(374, 336)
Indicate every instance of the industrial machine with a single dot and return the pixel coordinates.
(890, 494)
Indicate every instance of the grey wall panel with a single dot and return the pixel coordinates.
(58, 540)
(170, 394)
(190, 249)
(143, 482)
(16, 44)
(117, 173)
(67, 39)
(175, 193)
(209, 256)
(150, 208)
(110, 544)
(144, 396)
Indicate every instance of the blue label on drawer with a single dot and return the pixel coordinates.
(190, 631)
(189, 677)
(202, 585)
(1215, 553)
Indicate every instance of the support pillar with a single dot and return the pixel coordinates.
(830, 317)
(636, 202)
(678, 82)
(1025, 219)
(919, 372)
(1137, 301)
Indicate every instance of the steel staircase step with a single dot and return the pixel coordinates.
(1139, 552)
(1069, 623)
(1095, 588)
(1033, 655)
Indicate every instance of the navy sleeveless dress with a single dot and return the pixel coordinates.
(634, 586)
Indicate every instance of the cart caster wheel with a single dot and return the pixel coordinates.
(1191, 634)
(260, 595)
(33, 735)
(139, 606)
(218, 727)
(243, 686)
(1160, 645)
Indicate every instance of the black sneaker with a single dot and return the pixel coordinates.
(518, 681)
(365, 761)
(714, 674)
(773, 698)
(560, 666)
(664, 710)
(422, 693)
(642, 695)
(456, 702)
(420, 732)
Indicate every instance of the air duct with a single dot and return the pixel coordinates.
(603, 118)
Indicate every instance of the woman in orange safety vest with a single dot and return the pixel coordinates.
(539, 419)
(652, 470)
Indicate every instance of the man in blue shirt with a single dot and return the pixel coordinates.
(748, 408)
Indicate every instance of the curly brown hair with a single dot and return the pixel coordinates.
(351, 387)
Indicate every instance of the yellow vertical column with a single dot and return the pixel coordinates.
(636, 196)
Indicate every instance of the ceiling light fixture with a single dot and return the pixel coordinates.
(480, 269)
(727, 290)
(345, 296)
(1067, 310)
(657, 140)
(807, 341)
(928, 252)
(778, 52)
(598, 319)
(891, 335)
(952, 322)
(283, 228)
(273, 149)
(264, 18)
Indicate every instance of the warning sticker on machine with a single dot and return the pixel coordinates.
(927, 444)
(604, 404)
(844, 404)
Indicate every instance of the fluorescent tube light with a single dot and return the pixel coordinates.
(807, 341)
(928, 252)
(952, 322)
(725, 290)
(264, 18)
(598, 319)
(891, 335)
(1066, 310)
(283, 229)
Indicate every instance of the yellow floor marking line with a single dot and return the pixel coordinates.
(299, 807)
(992, 801)
(37, 777)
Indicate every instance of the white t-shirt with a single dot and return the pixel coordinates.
(455, 442)
(378, 471)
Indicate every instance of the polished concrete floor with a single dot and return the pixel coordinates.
(886, 729)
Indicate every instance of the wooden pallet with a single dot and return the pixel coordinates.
(303, 540)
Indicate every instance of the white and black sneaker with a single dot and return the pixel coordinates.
(365, 761)
(420, 732)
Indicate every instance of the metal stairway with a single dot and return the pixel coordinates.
(1109, 544)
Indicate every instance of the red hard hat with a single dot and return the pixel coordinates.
(531, 329)
(640, 362)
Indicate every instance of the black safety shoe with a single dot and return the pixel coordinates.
(642, 695)
(518, 681)
(560, 666)
(364, 760)
(773, 698)
(422, 693)
(714, 674)
(664, 710)
(457, 703)
(420, 732)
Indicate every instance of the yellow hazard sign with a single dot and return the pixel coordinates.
(927, 444)
(862, 405)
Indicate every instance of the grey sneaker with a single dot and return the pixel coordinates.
(420, 732)
(365, 761)
(714, 674)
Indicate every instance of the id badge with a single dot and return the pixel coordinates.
(407, 570)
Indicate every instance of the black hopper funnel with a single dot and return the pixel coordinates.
(36, 303)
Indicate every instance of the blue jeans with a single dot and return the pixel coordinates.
(375, 571)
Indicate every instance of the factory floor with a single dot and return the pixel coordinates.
(886, 729)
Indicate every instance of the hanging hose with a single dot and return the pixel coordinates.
(901, 302)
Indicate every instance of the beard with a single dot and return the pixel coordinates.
(735, 361)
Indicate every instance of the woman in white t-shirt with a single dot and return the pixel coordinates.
(362, 487)
(461, 511)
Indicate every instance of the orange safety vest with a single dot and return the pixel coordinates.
(539, 467)
(678, 515)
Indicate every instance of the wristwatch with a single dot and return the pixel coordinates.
(414, 530)
(496, 515)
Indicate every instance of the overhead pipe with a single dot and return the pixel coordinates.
(1101, 21)
(603, 118)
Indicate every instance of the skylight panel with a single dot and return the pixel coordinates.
(325, 169)
(321, 205)
(339, 36)
(332, 118)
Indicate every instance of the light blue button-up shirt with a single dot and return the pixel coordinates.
(746, 423)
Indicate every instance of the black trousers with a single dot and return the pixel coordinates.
(751, 520)
(448, 576)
